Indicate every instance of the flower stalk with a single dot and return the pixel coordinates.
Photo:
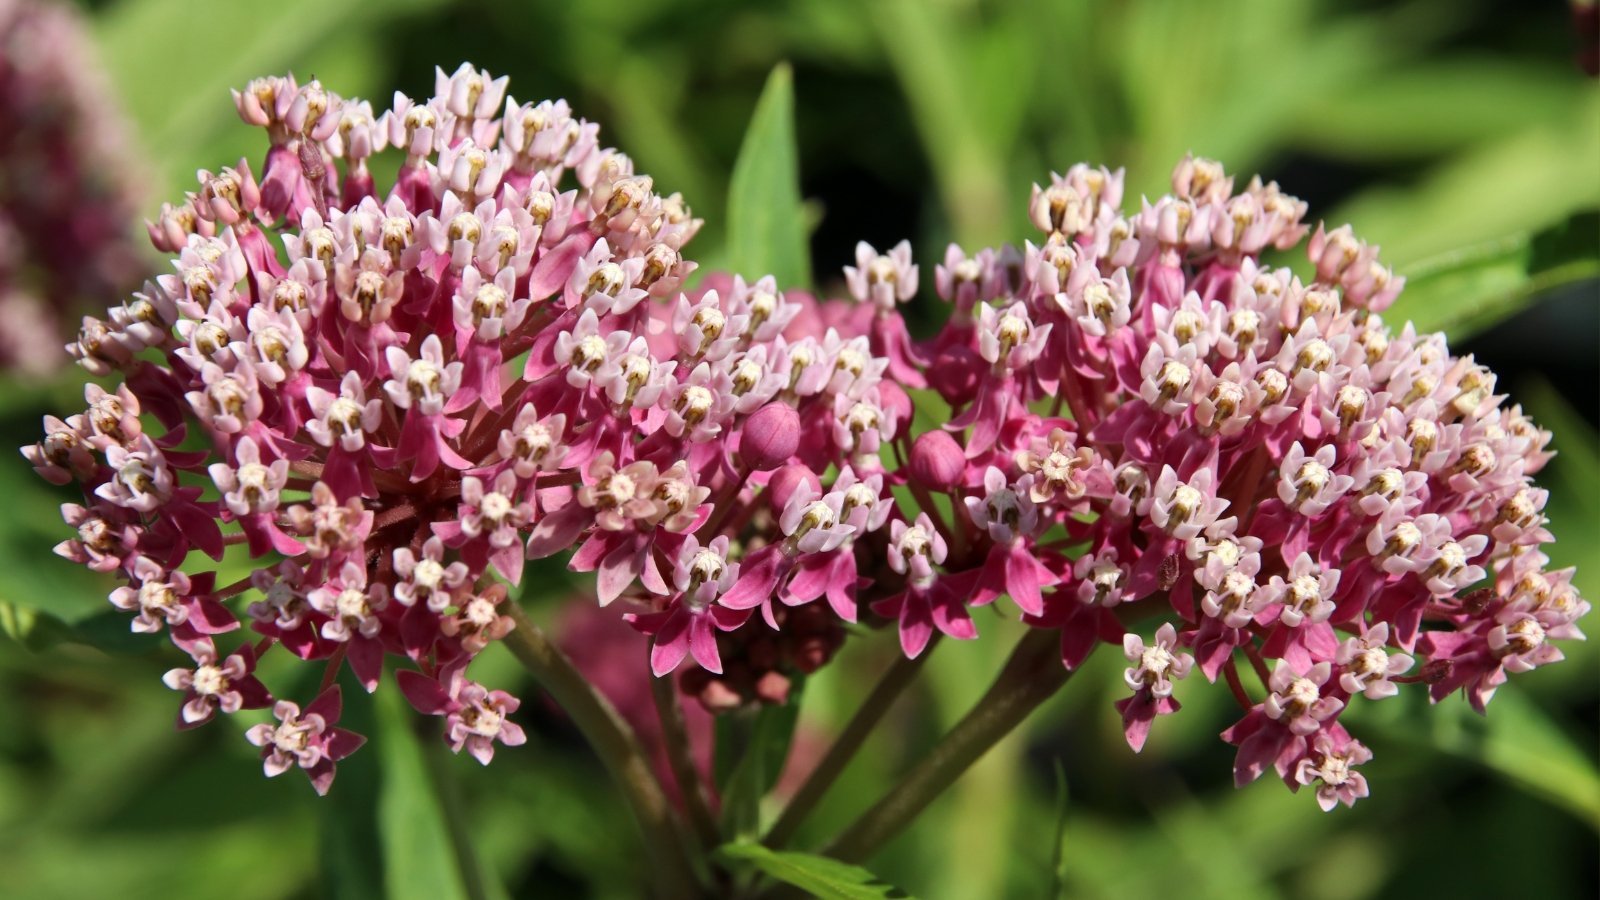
(900, 674)
(1032, 675)
(680, 754)
(616, 746)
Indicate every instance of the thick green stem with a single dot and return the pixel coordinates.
(855, 733)
(1032, 675)
(614, 742)
(675, 734)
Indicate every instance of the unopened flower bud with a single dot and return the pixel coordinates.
(937, 461)
(770, 436)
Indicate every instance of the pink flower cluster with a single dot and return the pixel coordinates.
(393, 400)
(1153, 424)
(68, 193)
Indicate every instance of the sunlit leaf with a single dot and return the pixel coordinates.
(822, 877)
(766, 221)
(418, 861)
(1471, 289)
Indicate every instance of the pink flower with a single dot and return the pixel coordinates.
(1366, 667)
(475, 717)
(307, 739)
(1297, 701)
(227, 685)
(1332, 770)
(1155, 667)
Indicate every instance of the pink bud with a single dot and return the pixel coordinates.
(786, 481)
(773, 687)
(769, 437)
(937, 461)
(897, 404)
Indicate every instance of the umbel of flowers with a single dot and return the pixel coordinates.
(393, 397)
(69, 188)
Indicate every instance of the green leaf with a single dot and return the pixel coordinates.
(825, 878)
(418, 861)
(31, 628)
(178, 114)
(926, 44)
(766, 221)
(1058, 866)
(351, 856)
(750, 752)
(1526, 746)
(1471, 289)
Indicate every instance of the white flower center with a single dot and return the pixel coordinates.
(209, 681)
(706, 566)
(1226, 553)
(914, 542)
(1156, 660)
(851, 360)
(619, 489)
(696, 402)
(464, 227)
(345, 415)
(352, 604)
(710, 321)
(589, 352)
(428, 574)
(495, 506)
(1302, 693)
(1305, 591)
(490, 303)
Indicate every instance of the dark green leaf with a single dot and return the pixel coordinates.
(751, 750)
(418, 861)
(1058, 869)
(828, 879)
(1471, 289)
(351, 856)
(766, 221)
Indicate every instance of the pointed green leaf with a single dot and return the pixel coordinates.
(418, 861)
(766, 220)
(1471, 289)
(751, 750)
(821, 876)
(351, 856)
(1526, 746)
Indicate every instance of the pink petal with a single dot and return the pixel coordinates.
(329, 704)
(366, 660)
(428, 696)
(703, 644)
(757, 579)
(1024, 576)
(618, 570)
(671, 644)
(556, 531)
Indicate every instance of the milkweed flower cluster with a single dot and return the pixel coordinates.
(67, 198)
(1151, 423)
(394, 399)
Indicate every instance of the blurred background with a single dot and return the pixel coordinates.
(1437, 127)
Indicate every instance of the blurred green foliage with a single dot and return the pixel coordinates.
(1458, 135)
